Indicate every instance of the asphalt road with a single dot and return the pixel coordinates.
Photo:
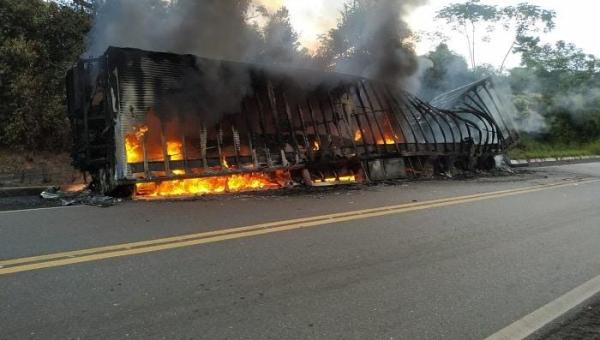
(461, 268)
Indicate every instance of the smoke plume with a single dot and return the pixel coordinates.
(579, 103)
(376, 41)
(213, 29)
(208, 28)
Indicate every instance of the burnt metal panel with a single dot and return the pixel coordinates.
(483, 100)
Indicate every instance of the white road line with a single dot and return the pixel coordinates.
(38, 209)
(535, 321)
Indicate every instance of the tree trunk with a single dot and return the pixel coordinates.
(507, 54)
(474, 61)
(469, 45)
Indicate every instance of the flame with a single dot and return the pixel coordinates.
(207, 185)
(174, 150)
(316, 146)
(358, 136)
(133, 144)
(342, 179)
(193, 186)
(135, 152)
(386, 140)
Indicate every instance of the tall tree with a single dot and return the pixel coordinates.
(523, 20)
(470, 17)
(466, 18)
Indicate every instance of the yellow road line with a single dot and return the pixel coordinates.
(127, 249)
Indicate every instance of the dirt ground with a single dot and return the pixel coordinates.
(32, 168)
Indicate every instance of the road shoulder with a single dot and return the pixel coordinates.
(580, 323)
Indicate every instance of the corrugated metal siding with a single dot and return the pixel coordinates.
(139, 80)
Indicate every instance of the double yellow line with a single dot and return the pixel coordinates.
(101, 253)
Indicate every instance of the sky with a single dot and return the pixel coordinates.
(577, 21)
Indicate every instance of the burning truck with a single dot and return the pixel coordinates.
(156, 124)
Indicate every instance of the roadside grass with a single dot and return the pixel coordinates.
(529, 148)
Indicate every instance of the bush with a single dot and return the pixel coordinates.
(39, 41)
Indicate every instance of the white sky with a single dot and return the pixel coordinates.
(578, 21)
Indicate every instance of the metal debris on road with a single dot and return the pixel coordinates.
(80, 197)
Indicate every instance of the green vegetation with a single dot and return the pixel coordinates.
(529, 148)
(556, 89)
(562, 84)
(38, 41)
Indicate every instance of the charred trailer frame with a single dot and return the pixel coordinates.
(230, 118)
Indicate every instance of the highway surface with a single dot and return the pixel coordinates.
(452, 259)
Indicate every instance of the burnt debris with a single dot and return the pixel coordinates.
(161, 123)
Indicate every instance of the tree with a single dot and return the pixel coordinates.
(448, 71)
(562, 56)
(39, 40)
(560, 68)
(465, 18)
(522, 19)
(564, 84)
(89, 6)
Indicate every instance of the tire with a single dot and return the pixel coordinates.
(102, 182)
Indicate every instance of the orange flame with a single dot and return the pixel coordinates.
(386, 140)
(194, 186)
(341, 179)
(358, 136)
(133, 145)
(174, 150)
(208, 185)
(316, 146)
(225, 164)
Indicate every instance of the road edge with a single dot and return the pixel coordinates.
(22, 191)
(534, 325)
(564, 319)
(539, 162)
